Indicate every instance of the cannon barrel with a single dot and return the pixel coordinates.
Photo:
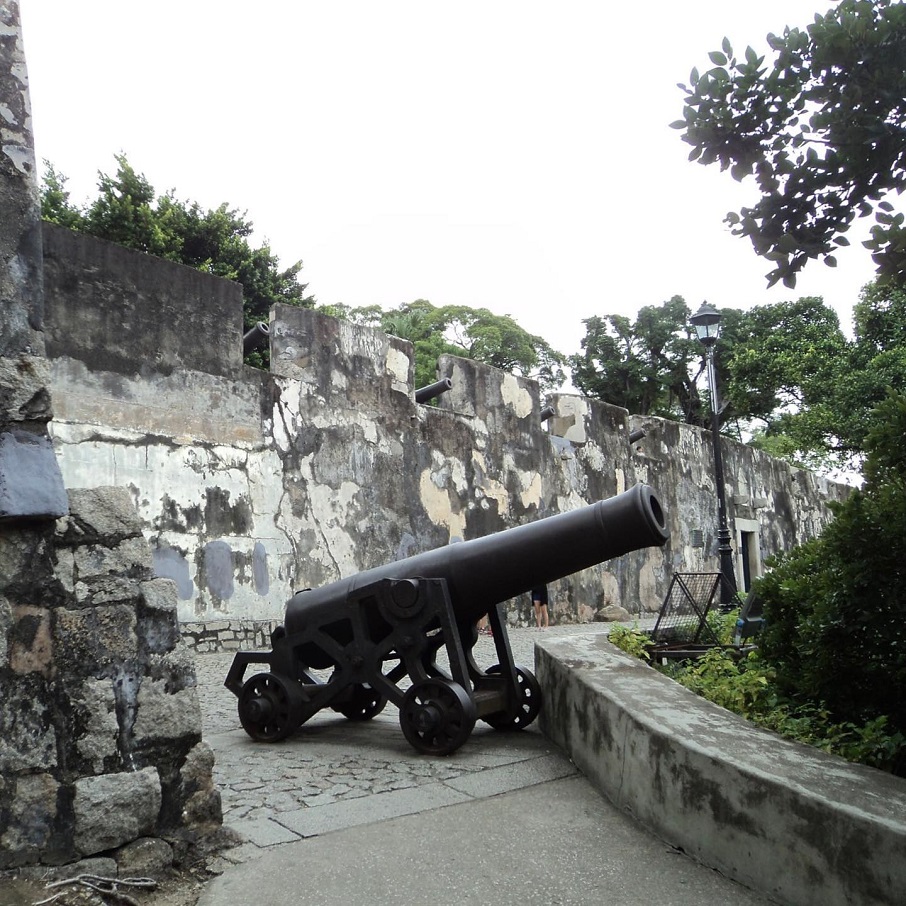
(485, 571)
(423, 394)
(255, 337)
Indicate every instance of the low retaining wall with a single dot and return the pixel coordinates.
(801, 826)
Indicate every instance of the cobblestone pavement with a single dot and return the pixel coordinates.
(335, 773)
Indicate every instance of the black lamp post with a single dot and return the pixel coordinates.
(706, 322)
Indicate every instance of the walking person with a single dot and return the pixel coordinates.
(539, 602)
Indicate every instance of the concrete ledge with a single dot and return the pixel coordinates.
(803, 827)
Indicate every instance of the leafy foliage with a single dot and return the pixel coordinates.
(835, 608)
(820, 127)
(473, 333)
(747, 686)
(631, 640)
(129, 211)
(649, 366)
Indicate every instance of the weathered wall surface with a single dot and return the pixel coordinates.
(251, 486)
(99, 698)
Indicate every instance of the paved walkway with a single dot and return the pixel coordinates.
(444, 824)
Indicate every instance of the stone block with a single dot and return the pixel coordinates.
(612, 613)
(95, 710)
(29, 643)
(28, 740)
(114, 809)
(202, 803)
(160, 595)
(31, 484)
(99, 514)
(158, 623)
(147, 857)
(131, 556)
(64, 569)
(95, 637)
(162, 714)
(30, 821)
(24, 381)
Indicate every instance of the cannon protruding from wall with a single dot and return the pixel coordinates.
(548, 412)
(426, 394)
(636, 436)
(379, 627)
(255, 338)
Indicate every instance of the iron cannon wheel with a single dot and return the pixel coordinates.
(270, 707)
(437, 716)
(364, 703)
(528, 701)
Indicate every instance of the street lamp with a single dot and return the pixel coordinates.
(706, 322)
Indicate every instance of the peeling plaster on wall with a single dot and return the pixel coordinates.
(570, 421)
(436, 501)
(621, 480)
(399, 365)
(332, 507)
(531, 489)
(516, 396)
(594, 457)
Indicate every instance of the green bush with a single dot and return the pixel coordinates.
(633, 641)
(747, 686)
(835, 608)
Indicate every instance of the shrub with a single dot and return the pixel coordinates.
(835, 608)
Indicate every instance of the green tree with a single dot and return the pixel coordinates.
(473, 333)
(835, 608)
(55, 204)
(650, 366)
(128, 211)
(819, 123)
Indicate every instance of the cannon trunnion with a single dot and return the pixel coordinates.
(379, 633)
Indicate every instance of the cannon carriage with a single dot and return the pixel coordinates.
(378, 634)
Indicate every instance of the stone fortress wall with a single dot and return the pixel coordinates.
(252, 485)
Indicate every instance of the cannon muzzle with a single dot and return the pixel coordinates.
(255, 337)
(425, 394)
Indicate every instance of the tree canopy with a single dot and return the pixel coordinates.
(788, 377)
(818, 121)
(649, 366)
(129, 211)
(474, 333)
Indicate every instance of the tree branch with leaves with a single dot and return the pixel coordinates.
(819, 122)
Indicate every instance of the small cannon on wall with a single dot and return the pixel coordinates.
(386, 625)
(432, 391)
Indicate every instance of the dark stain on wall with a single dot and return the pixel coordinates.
(223, 518)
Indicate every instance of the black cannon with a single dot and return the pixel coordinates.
(255, 338)
(432, 391)
(384, 626)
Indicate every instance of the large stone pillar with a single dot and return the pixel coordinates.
(21, 289)
(31, 486)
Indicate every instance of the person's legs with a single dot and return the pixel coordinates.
(544, 619)
(538, 608)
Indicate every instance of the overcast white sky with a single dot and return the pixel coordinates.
(508, 155)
